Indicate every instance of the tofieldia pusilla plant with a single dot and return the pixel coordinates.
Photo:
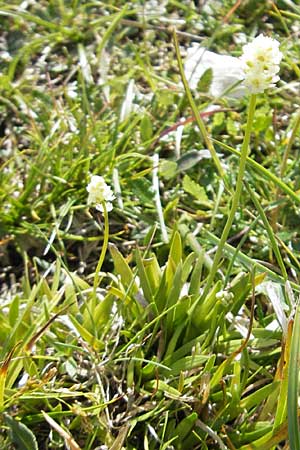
(100, 196)
(260, 62)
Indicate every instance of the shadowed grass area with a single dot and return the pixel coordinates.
(167, 346)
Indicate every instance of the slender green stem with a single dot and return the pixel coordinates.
(236, 197)
(102, 254)
(196, 113)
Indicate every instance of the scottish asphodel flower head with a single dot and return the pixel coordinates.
(260, 61)
(100, 193)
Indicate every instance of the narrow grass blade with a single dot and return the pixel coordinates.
(199, 121)
(290, 145)
(283, 375)
(110, 30)
(69, 440)
(264, 172)
(293, 385)
(269, 231)
(3, 373)
(249, 262)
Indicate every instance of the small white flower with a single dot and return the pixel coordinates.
(257, 82)
(260, 62)
(99, 193)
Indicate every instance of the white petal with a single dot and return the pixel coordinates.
(227, 70)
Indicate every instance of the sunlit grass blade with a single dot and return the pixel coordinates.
(281, 410)
(293, 385)
(249, 262)
(69, 440)
(264, 172)
(199, 121)
(3, 373)
(269, 231)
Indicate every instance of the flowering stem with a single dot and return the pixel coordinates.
(236, 197)
(102, 254)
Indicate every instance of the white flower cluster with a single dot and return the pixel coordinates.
(99, 193)
(260, 60)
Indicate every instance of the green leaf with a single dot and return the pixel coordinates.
(100, 315)
(142, 188)
(85, 334)
(173, 297)
(218, 120)
(166, 97)
(185, 427)
(193, 188)
(167, 169)
(191, 158)
(165, 388)
(188, 265)
(161, 294)
(240, 287)
(202, 309)
(21, 436)
(176, 249)
(14, 310)
(205, 81)
(293, 385)
(174, 260)
(194, 288)
(121, 267)
(188, 363)
(232, 127)
(146, 128)
(281, 410)
(253, 400)
(145, 285)
(153, 272)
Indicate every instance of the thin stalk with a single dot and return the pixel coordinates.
(196, 113)
(102, 254)
(236, 197)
